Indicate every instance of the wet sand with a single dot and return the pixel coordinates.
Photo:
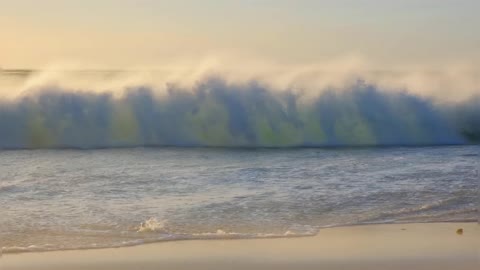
(401, 246)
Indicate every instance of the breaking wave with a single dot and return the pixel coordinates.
(217, 113)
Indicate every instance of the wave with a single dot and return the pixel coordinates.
(216, 113)
(154, 231)
(429, 212)
(160, 234)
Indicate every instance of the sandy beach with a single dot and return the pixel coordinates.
(399, 246)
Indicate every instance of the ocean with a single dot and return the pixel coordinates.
(96, 198)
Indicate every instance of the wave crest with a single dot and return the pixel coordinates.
(221, 114)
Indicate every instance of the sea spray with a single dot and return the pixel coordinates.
(217, 113)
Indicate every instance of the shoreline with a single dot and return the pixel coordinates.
(376, 246)
(228, 238)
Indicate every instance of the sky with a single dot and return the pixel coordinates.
(126, 33)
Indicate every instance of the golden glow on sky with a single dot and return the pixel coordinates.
(118, 34)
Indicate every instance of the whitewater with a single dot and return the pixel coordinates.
(94, 109)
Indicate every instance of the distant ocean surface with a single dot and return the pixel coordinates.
(77, 199)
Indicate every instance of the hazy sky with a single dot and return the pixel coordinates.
(120, 33)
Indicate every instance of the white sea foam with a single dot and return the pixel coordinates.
(152, 225)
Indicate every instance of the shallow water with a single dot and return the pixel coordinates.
(70, 199)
